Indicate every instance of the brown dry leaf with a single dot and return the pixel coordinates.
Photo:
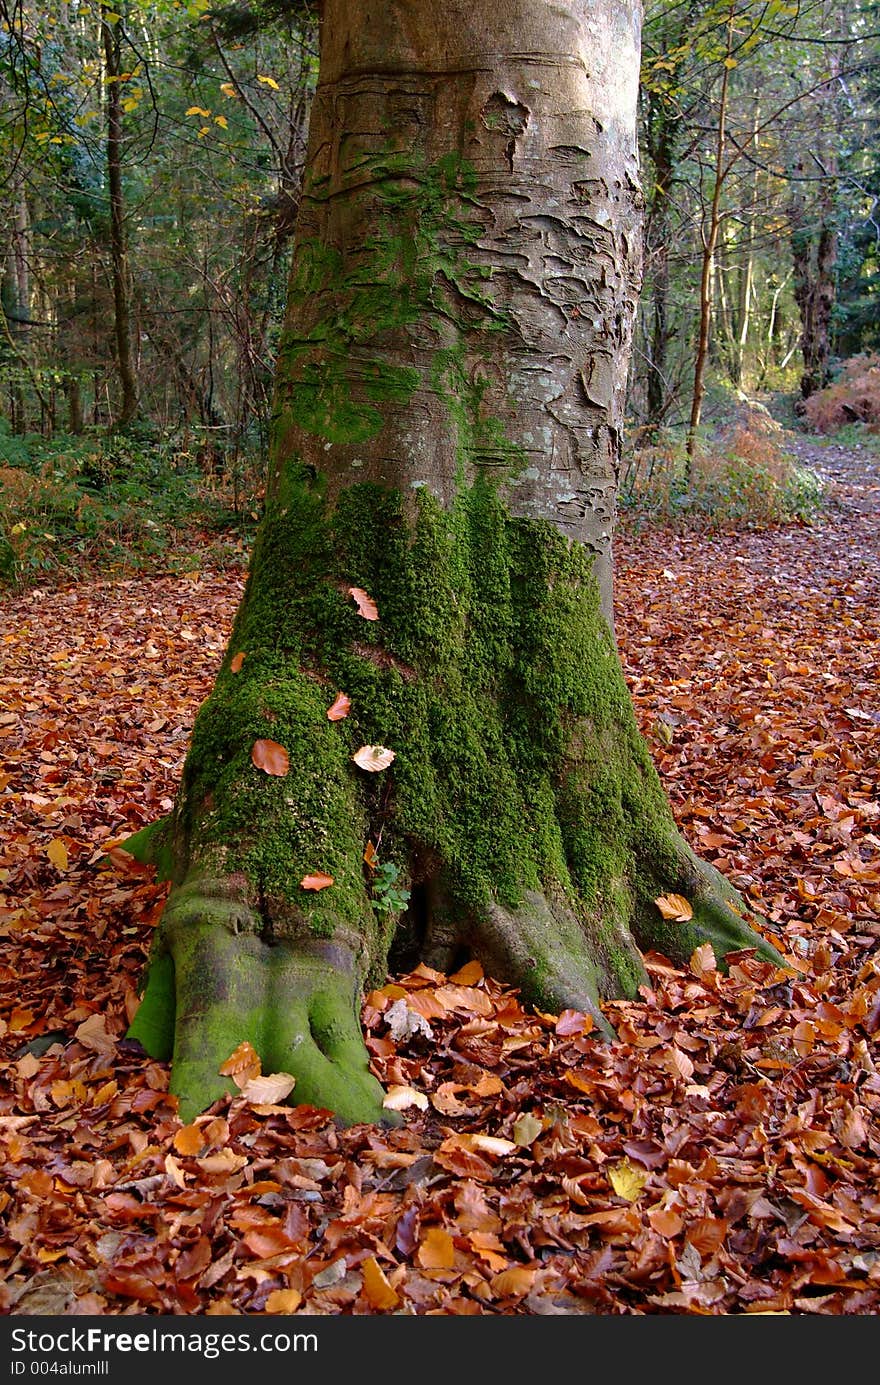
(365, 604)
(665, 1222)
(189, 1139)
(244, 1060)
(92, 1033)
(20, 1019)
(675, 907)
(340, 708)
(436, 1250)
(174, 1171)
(373, 758)
(269, 1089)
(283, 1301)
(271, 758)
(237, 661)
(370, 856)
(464, 998)
(318, 881)
(489, 1144)
(702, 961)
(377, 1291)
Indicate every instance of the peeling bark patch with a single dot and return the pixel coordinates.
(504, 116)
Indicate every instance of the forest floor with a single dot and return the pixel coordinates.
(721, 1158)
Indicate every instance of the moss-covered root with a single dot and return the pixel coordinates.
(720, 915)
(214, 983)
(541, 948)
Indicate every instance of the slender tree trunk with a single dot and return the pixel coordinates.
(111, 36)
(658, 234)
(446, 441)
(710, 240)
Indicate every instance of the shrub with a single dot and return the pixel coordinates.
(123, 502)
(854, 397)
(744, 477)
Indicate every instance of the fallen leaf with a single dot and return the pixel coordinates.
(174, 1171)
(365, 604)
(242, 1060)
(370, 856)
(526, 1129)
(269, 1089)
(189, 1139)
(401, 1098)
(340, 708)
(57, 853)
(436, 1250)
(373, 757)
(92, 1033)
(675, 907)
(316, 882)
(270, 757)
(237, 661)
(377, 1291)
(283, 1301)
(626, 1180)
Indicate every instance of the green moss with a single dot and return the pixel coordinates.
(411, 267)
(490, 673)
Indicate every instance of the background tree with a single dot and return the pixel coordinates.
(422, 673)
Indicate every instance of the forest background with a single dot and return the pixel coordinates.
(152, 157)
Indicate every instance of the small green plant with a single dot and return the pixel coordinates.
(387, 893)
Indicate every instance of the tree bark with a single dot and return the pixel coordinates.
(446, 439)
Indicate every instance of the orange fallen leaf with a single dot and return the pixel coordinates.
(20, 1019)
(340, 708)
(370, 856)
(674, 907)
(237, 661)
(377, 1291)
(319, 881)
(270, 757)
(283, 1301)
(365, 603)
(436, 1250)
(513, 1283)
(189, 1140)
(245, 1058)
(373, 757)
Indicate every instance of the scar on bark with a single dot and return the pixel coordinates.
(505, 116)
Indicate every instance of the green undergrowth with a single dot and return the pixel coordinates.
(131, 502)
(744, 478)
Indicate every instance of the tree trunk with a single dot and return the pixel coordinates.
(111, 34)
(446, 438)
(661, 148)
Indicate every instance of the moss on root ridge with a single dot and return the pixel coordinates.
(522, 806)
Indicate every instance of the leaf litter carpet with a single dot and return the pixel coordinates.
(722, 1157)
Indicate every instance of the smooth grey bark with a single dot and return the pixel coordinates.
(538, 102)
